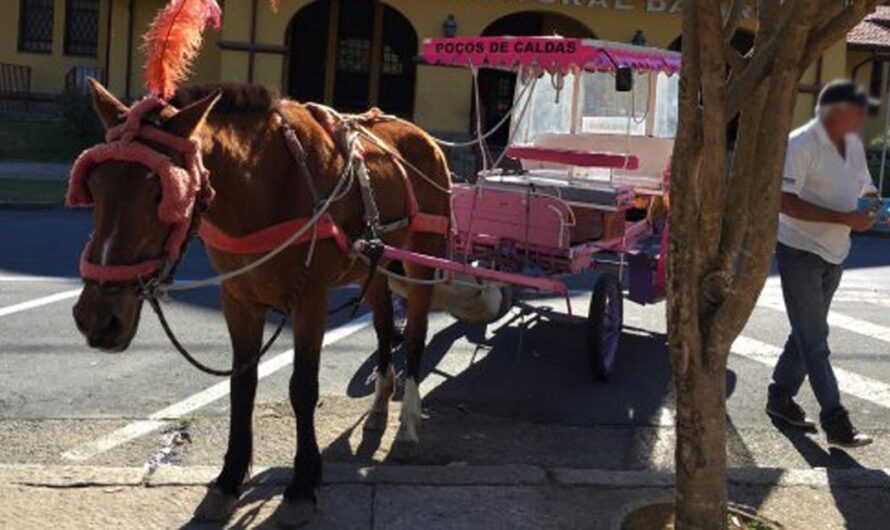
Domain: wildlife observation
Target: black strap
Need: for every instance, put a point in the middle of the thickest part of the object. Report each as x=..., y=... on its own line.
x=156, y=306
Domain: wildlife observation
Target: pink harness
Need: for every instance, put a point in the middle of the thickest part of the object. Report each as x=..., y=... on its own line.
x=181, y=187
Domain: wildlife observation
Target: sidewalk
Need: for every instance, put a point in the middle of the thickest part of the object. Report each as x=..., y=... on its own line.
x=425, y=497
x=30, y=170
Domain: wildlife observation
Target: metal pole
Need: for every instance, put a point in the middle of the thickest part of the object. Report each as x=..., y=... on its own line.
x=884, y=143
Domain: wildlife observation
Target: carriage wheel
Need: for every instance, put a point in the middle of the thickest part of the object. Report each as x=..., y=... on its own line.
x=604, y=321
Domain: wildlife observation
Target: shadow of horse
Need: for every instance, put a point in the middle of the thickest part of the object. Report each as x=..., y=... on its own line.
x=518, y=381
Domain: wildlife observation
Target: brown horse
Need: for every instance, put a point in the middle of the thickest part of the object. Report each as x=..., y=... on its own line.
x=240, y=129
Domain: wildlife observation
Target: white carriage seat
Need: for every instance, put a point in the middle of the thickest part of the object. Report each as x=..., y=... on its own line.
x=653, y=154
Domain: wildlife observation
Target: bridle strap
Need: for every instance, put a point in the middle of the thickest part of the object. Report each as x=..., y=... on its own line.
x=116, y=273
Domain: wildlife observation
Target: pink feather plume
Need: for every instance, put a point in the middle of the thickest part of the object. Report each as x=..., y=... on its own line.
x=173, y=40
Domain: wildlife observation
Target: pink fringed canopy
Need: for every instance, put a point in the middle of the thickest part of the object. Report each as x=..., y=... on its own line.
x=547, y=53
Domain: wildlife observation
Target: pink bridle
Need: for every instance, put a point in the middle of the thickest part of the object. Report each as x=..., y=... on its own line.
x=181, y=187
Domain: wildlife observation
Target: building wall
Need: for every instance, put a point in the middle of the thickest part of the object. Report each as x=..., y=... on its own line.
x=443, y=95
x=617, y=22
x=862, y=75
x=47, y=69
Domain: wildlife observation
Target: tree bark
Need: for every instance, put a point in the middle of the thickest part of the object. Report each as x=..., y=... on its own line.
x=701, y=497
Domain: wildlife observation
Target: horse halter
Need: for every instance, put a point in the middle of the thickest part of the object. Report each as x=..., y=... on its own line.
x=185, y=192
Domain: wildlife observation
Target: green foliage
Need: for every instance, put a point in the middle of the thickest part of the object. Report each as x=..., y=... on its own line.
x=43, y=140
x=77, y=109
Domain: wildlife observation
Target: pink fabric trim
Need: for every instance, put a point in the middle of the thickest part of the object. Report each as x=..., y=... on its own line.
x=268, y=239
x=571, y=157
x=430, y=224
x=547, y=53
x=115, y=273
x=180, y=185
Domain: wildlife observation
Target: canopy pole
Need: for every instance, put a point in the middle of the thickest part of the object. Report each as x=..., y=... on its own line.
x=884, y=142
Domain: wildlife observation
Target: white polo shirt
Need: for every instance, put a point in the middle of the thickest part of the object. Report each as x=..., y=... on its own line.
x=816, y=172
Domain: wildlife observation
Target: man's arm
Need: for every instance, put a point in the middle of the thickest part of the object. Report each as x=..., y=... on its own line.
x=794, y=206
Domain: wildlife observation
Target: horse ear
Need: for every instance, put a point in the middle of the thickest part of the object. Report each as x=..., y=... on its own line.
x=109, y=108
x=185, y=122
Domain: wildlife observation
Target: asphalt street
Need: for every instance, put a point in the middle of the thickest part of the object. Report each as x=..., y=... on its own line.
x=518, y=391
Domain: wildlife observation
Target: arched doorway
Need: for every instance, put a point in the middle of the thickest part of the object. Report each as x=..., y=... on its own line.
x=353, y=55
x=496, y=87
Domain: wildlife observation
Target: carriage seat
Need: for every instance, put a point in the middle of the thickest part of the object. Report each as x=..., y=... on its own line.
x=652, y=155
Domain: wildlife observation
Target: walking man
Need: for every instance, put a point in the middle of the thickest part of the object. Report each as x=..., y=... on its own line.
x=825, y=176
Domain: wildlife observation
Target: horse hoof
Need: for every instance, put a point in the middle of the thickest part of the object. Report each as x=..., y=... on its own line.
x=295, y=513
x=376, y=421
x=216, y=506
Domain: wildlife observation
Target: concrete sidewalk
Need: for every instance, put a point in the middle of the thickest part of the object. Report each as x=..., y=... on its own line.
x=427, y=497
x=30, y=170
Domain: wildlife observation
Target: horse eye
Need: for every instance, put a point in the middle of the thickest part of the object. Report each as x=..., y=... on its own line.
x=150, y=175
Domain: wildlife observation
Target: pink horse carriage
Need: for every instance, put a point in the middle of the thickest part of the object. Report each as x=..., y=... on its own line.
x=592, y=129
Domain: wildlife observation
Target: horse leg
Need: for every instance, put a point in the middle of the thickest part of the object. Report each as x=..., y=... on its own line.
x=245, y=322
x=379, y=298
x=419, y=298
x=309, y=327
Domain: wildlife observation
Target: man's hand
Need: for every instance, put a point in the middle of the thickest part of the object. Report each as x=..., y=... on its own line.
x=861, y=220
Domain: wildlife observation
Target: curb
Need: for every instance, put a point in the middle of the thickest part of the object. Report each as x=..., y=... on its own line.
x=455, y=475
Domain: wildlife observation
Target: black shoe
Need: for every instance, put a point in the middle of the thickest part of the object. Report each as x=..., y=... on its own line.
x=789, y=412
x=840, y=431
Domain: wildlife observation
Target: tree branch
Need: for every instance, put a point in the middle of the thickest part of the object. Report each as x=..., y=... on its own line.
x=774, y=21
x=733, y=19
x=835, y=27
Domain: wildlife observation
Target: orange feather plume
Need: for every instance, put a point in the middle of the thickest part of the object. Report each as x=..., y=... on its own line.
x=173, y=40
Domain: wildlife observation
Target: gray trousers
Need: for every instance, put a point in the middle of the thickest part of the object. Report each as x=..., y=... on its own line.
x=808, y=286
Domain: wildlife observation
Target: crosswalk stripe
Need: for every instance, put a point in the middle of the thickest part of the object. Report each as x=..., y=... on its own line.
x=840, y=320
x=853, y=384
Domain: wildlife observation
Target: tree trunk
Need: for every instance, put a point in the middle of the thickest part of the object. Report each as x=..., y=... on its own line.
x=701, y=493
x=724, y=210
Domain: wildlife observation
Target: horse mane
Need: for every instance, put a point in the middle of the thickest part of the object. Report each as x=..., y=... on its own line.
x=234, y=97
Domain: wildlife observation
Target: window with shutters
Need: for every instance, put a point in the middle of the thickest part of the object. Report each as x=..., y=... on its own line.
x=36, y=26
x=82, y=27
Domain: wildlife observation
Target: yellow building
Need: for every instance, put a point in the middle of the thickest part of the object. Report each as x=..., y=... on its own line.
x=351, y=54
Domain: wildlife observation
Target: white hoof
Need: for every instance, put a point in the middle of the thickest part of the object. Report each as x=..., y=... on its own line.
x=296, y=513
x=216, y=506
x=378, y=416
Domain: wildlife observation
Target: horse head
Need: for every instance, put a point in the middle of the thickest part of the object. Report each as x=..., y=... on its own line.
x=143, y=184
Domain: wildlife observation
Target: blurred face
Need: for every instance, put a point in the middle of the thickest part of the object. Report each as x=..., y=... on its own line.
x=844, y=120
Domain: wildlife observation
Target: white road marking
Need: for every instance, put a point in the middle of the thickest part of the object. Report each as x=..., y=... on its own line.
x=31, y=304
x=39, y=279
x=858, y=386
x=840, y=320
x=203, y=398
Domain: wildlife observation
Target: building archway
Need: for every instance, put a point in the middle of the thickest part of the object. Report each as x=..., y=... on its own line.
x=352, y=55
x=496, y=87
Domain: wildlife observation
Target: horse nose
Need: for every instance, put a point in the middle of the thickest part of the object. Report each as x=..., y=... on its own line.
x=94, y=323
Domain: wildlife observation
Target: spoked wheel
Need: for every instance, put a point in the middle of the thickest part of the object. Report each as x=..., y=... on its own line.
x=604, y=321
